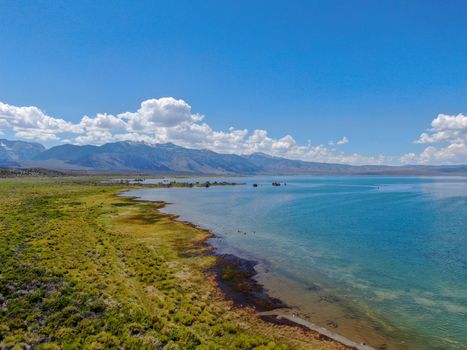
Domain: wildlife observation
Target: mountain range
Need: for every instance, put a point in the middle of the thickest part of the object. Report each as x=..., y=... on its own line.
x=142, y=158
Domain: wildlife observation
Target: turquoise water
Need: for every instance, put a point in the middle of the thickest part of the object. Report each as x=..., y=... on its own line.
x=389, y=249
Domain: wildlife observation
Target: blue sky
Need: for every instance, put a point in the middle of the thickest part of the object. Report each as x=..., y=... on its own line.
x=377, y=72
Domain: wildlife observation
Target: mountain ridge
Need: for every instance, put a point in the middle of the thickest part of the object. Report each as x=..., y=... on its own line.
x=12, y=151
x=168, y=158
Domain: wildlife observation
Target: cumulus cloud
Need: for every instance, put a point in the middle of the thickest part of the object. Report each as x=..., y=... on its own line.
x=446, y=128
x=166, y=120
x=162, y=112
x=32, y=123
x=447, y=139
x=103, y=122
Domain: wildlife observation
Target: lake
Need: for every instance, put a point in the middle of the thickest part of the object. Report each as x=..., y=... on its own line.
x=381, y=260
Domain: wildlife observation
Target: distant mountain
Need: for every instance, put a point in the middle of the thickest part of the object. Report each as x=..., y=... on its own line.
x=163, y=158
x=276, y=165
x=137, y=157
x=13, y=151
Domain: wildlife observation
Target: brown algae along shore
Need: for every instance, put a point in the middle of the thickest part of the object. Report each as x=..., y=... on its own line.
x=83, y=268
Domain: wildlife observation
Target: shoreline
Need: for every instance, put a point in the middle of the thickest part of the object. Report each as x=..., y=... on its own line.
x=91, y=269
x=234, y=277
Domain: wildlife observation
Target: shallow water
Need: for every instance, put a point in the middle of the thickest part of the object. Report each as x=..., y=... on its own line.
x=378, y=259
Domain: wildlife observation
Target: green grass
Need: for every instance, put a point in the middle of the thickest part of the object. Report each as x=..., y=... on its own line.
x=84, y=269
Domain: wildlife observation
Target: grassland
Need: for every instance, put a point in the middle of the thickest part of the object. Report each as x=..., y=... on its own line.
x=82, y=268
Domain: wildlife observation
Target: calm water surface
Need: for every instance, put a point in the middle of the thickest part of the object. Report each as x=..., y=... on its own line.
x=354, y=253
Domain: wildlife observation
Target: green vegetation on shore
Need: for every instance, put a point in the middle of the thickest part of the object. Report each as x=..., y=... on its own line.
x=83, y=268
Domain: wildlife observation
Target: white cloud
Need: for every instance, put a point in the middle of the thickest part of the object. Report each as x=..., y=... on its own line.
x=165, y=120
x=162, y=112
x=448, y=142
x=409, y=158
x=32, y=123
x=451, y=154
x=94, y=137
x=103, y=121
x=446, y=128
x=343, y=141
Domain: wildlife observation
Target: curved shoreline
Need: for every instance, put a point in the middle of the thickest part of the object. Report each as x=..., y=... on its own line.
x=245, y=292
